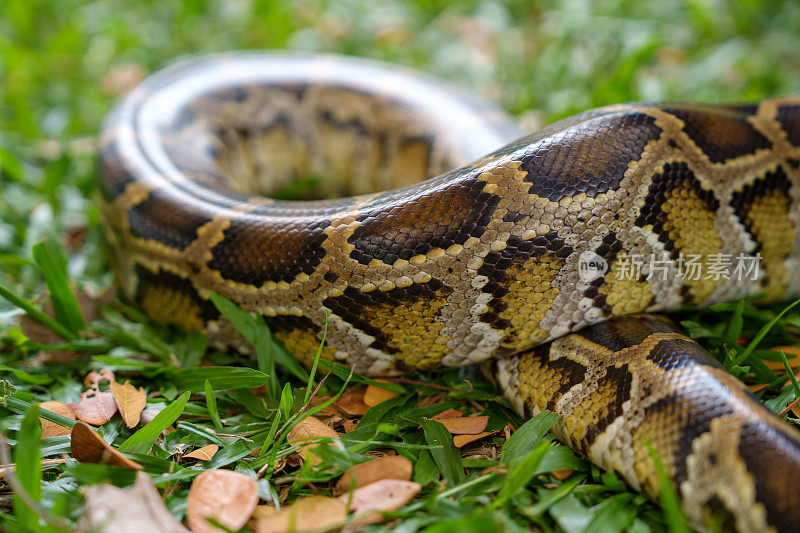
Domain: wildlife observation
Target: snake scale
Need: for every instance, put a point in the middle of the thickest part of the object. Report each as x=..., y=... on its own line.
x=489, y=261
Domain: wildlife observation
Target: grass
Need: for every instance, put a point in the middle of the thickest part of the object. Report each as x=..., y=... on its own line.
x=63, y=64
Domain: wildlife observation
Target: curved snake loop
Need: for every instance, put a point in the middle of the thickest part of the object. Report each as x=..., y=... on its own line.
x=525, y=257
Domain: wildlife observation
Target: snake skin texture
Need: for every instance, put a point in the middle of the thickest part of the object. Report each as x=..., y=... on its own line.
x=532, y=257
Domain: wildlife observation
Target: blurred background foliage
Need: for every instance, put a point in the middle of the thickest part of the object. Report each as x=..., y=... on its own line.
x=63, y=63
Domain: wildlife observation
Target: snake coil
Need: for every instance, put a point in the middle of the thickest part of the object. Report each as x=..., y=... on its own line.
x=525, y=257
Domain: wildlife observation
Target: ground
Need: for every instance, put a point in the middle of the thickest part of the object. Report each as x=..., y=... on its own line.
x=63, y=64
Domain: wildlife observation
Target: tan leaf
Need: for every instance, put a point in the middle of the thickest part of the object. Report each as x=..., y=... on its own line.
x=130, y=401
x=561, y=475
x=306, y=514
x=94, y=378
x=792, y=354
x=449, y=413
x=310, y=428
x=383, y=495
x=51, y=429
x=134, y=509
x=87, y=446
x=349, y=425
x=95, y=407
x=462, y=440
x=375, y=395
x=391, y=467
x=352, y=403
x=465, y=425
x=226, y=496
x=202, y=454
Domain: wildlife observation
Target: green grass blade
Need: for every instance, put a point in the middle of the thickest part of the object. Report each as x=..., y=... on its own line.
x=211, y=405
x=219, y=377
x=528, y=436
x=521, y=474
x=141, y=441
x=28, y=458
x=761, y=334
x=670, y=504
x=35, y=313
x=443, y=451
x=50, y=259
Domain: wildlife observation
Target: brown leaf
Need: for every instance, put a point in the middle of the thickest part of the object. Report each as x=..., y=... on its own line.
x=465, y=425
x=794, y=362
x=202, y=454
x=51, y=429
x=134, y=509
x=391, y=467
x=306, y=514
x=375, y=395
x=449, y=413
x=88, y=446
x=462, y=440
x=95, y=378
x=349, y=426
x=130, y=401
x=383, y=495
x=226, y=496
x=306, y=429
x=352, y=403
x=95, y=407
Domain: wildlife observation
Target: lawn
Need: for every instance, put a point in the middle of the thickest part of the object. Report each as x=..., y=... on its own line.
x=64, y=63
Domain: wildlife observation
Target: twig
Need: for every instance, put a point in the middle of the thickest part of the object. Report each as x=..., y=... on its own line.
x=789, y=407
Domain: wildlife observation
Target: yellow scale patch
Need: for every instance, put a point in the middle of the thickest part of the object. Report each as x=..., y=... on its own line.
x=303, y=344
x=413, y=330
x=768, y=217
x=167, y=305
x=690, y=226
x=624, y=294
x=530, y=296
x=538, y=383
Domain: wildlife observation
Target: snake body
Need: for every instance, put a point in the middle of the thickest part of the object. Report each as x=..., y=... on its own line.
x=525, y=257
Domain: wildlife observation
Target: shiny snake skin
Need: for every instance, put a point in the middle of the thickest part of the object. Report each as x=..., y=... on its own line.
x=480, y=263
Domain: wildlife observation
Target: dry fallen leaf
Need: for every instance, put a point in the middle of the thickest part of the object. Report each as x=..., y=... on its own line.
x=134, y=509
x=95, y=407
x=51, y=429
x=462, y=440
x=794, y=362
x=391, y=467
x=465, y=425
x=352, y=403
x=202, y=454
x=310, y=428
x=306, y=514
x=226, y=496
x=349, y=425
x=375, y=395
x=94, y=378
x=87, y=446
x=383, y=495
x=130, y=401
x=449, y=413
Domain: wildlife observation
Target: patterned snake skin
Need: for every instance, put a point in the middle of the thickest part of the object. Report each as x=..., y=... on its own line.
x=622, y=210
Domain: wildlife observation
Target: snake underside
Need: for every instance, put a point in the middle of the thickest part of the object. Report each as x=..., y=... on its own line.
x=532, y=256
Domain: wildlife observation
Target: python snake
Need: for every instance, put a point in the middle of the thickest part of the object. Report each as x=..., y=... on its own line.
x=525, y=257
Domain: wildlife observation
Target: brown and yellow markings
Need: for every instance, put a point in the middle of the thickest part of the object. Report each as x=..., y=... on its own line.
x=764, y=209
